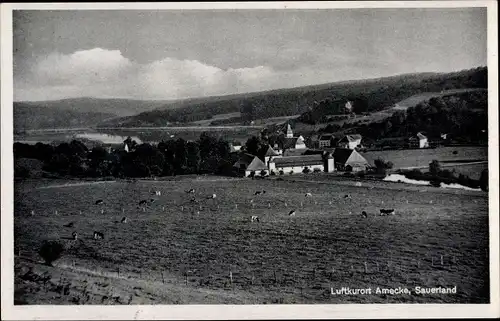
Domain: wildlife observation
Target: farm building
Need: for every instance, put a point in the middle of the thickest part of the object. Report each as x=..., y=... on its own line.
x=234, y=147
x=248, y=163
x=270, y=153
x=418, y=141
x=325, y=140
x=350, y=141
x=297, y=164
x=349, y=160
x=294, y=143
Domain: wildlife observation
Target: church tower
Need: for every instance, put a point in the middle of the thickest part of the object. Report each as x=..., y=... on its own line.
x=289, y=133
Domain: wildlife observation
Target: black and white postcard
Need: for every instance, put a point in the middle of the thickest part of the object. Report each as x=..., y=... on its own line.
x=239, y=160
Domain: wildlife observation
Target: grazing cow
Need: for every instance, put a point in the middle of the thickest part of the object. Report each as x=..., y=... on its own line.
x=99, y=202
x=124, y=220
x=254, y=218
x=358, y=184
x=152, y=200
x=213, y=196
x=291, y=213
x=102, y=211
x=32, y=212
x=309, y=194
x=143, y=202
x=347, y=196
x=191, y=191
x=70, y=224
x=384, y=212
x=98, y=235
x=75, y=235
x=257, y=193
x=364, y=214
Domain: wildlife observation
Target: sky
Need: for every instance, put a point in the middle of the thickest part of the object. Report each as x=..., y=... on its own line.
x=175, y=54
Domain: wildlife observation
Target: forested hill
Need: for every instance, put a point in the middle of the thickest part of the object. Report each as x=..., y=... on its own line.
x=366, y=95
x=28, y=117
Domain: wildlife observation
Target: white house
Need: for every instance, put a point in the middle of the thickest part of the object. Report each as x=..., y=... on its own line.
x=349, y=160
x=297, y=164
x=325, y=140
x=350, y=141
x=234, y=147
x=418, y=141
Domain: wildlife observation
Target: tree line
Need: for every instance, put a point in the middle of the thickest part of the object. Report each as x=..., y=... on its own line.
x=207, y=155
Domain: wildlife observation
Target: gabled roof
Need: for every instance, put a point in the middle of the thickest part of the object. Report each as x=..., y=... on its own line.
x=256, y=165
x=304, y=160
x=348, y=156
x=326, y=137
x=252, y=162
x=341, y=155
x=352, y=137
x=270, y=152
x=420, y=136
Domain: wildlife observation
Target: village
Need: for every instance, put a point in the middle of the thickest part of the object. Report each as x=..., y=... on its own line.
x=291, y=155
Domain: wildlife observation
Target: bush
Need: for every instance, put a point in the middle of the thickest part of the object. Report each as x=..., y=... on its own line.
x=252, y=174
x=361, y=174
x=282, y=172
x=434, y=168
x=263, y=173
x=272, y=173
x=381, y=166
x=306, y=170
x=51, y=251
x=317, y=170
x=291, y=172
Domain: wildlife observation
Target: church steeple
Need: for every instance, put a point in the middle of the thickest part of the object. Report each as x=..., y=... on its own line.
x=289, y=133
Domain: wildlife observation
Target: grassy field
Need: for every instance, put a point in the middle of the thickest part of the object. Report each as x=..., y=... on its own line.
x=280, y=259
x=422, y=157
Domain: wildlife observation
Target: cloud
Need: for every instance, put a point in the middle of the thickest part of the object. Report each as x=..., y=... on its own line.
x=106, y=73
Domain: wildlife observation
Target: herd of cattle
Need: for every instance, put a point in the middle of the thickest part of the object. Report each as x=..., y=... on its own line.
x=142, y=204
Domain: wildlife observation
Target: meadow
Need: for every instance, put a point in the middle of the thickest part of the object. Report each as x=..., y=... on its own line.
x=210, y=252
x=422, y=157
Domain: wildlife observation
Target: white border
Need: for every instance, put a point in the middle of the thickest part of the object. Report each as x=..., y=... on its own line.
x=191, y=312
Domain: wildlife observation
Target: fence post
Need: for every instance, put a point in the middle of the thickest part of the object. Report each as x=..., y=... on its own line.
x=231, y=277
x=275, y=278
x=162, y=277
x=442, y=260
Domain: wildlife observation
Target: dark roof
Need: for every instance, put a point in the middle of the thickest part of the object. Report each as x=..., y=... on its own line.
x=304, y=160
x=326, y=137
x=252, y=162
x=341, y=155
x=294, y=152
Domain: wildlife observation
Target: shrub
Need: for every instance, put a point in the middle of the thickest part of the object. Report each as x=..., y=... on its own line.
x=306, y=170
x=317, y=170
x=381, y=166
x=291, y=172
x=263, y=173
x=252, y=174
x=434, y=168
x=361, y=174
x=282, y=172
x=51, y=251
x=272, y=173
